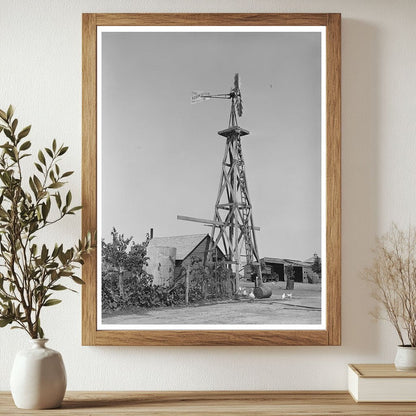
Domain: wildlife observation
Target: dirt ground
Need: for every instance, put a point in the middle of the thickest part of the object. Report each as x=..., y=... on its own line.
x=303, y=308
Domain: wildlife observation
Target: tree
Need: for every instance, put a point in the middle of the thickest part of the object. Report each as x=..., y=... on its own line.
x=124, y=255
x=316, y=266
x=137, y=257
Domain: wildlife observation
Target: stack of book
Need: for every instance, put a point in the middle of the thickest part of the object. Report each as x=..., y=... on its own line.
x=381, y=383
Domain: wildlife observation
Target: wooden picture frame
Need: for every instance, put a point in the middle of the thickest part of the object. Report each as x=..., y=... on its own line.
x=331, y=335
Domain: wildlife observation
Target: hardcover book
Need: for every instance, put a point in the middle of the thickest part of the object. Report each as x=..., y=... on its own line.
x=381, y=383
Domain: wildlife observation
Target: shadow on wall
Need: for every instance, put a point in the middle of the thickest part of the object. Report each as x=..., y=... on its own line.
x=360, y=180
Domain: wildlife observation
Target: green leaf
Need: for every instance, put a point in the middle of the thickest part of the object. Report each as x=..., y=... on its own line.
x=41, y=157
x=58, y=199
x=54, y=276
x=5, y=321
x=40, y=332
x=51, y=302
x=58, y=287
x=37, y=183
x=33, y=187
x=6, y=145
x=8, y=133
x=76, y=208
x=10, y=112
x=45, y=211
x=68, y=198
x=39, y=167
x=56, y=185
x=14, y=125
x=63, y=150
x=3, y=115
x=55, y=251
x=44, y=253
x=54, y=145
x=49, y=152
x=24, y=133
x=76, y=279
x=62, y=257
x=67, y=174
x=25, y=145
x=34, y=249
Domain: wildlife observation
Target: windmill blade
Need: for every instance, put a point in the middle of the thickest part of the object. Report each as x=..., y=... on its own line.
x=237, y=92
x=237, y=82
x=239, y=105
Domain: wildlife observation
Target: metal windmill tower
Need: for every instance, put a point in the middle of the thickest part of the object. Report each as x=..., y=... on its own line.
x=232, y=228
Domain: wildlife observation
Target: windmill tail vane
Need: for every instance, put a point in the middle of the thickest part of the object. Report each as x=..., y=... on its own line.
x=199, y=96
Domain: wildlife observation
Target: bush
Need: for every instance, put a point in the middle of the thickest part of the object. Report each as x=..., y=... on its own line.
x=139, y=291
x=211, y=282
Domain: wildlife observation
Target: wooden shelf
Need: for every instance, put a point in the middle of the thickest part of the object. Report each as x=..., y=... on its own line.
x=318, y=403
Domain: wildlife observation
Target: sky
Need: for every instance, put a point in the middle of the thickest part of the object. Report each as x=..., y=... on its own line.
x=161, y=155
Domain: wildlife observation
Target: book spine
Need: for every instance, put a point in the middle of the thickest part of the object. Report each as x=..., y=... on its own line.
x=353, y=381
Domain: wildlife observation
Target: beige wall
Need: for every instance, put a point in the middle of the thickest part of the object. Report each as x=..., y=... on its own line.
x=40, y=74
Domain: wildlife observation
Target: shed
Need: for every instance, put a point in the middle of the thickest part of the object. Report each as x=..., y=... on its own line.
x=274, y=269
x=187, y=247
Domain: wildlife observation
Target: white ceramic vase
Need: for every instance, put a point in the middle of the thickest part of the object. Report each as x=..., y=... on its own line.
x=38, y=378
x=405, y=358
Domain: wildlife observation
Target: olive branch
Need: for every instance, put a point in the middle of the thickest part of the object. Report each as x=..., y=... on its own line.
x=30, y=273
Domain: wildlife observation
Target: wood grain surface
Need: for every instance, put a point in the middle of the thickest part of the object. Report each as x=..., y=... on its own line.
x=212, y=19
x=380, y=371
x=89, y=173
x=333, y=179
x=212, y=403
x=332, y=334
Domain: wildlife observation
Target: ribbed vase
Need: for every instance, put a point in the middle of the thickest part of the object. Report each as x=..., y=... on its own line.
x=405, y=358
x=38, y=377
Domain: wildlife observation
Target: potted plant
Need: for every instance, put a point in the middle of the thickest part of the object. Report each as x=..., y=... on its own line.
x=31, y=273
x=393, y=277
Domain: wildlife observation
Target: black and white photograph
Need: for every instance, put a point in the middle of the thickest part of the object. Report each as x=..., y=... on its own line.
x=211, y=178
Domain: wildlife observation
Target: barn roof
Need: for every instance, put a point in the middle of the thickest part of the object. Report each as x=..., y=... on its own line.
x=272, y=260
x=285, y=261
x=184, y=244
x=311, y=259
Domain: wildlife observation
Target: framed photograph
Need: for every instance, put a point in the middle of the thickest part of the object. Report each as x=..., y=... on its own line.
x=211, y=173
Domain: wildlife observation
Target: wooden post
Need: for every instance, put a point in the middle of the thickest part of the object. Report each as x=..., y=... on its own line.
x=121, y=283
x=187, y=284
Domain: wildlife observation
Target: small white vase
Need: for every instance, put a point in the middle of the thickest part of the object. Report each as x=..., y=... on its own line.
x=38, y=378
x=405, y=358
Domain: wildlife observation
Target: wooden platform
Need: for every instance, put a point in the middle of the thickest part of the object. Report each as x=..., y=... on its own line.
x=268, y=403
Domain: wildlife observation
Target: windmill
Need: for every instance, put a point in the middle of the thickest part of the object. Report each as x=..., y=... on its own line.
x=232, y=228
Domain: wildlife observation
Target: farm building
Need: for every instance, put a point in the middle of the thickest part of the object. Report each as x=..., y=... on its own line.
x=167, y=255
x=274, y=269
